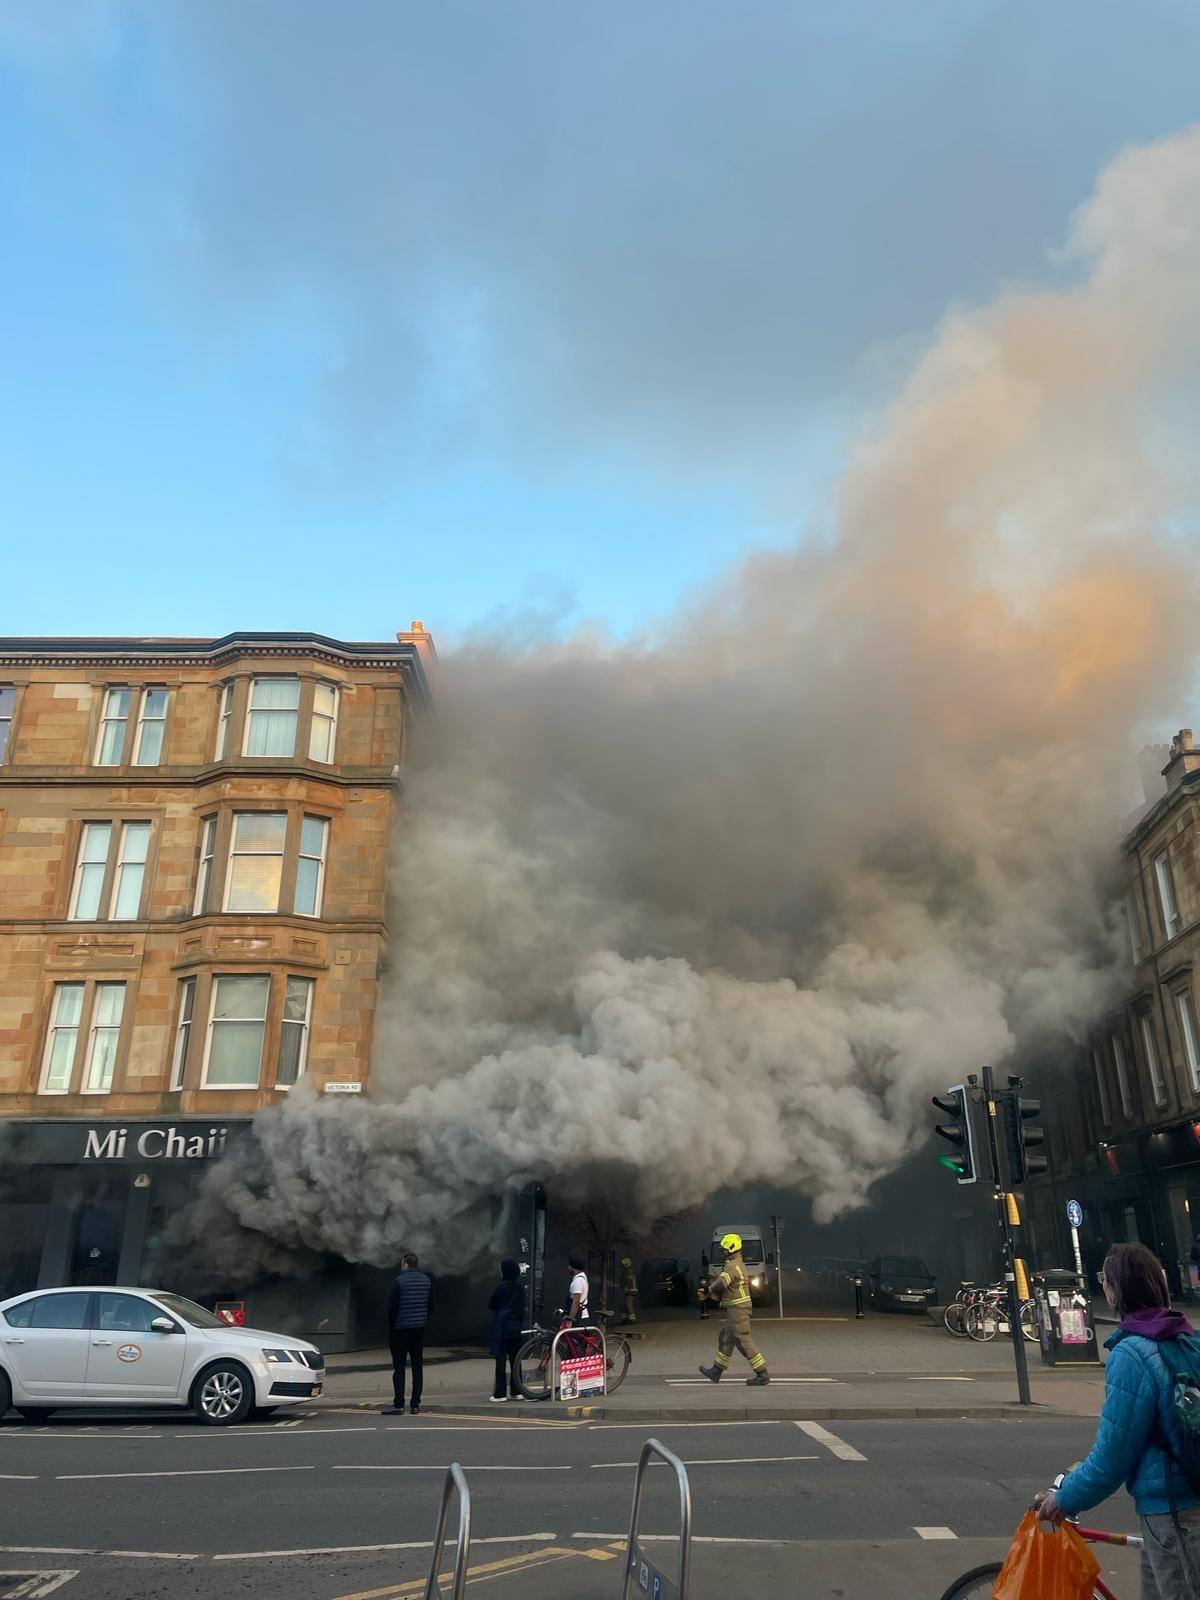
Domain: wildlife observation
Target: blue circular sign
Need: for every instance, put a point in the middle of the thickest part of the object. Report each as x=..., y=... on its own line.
x=1074, y=1213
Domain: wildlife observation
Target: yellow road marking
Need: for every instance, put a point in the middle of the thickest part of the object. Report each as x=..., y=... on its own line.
x=546, y=1556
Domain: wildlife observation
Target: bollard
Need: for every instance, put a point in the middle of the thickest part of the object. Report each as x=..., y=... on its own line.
x=859, y=1313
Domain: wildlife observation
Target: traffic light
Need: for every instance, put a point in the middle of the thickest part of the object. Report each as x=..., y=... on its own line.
x=958, y=1131
x=1019, y=1140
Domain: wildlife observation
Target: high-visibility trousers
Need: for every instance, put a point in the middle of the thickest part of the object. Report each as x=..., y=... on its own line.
x=736, y=1335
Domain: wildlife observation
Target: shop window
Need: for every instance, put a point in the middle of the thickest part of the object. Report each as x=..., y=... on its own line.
x=293, y=1032
x=236, y=1031
x=272, y=717
x=8, y=706
x=110, y=872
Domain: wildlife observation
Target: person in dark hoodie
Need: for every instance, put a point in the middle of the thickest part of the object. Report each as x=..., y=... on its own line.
x=507, y=1306
x=1139, y=1441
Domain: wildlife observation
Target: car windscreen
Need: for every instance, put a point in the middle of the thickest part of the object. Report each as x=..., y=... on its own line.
x=752, y=1252
x=904, y=1266
x=188, y=1311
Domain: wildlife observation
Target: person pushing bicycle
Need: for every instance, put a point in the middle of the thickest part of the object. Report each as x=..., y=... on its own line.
x=732, y=1288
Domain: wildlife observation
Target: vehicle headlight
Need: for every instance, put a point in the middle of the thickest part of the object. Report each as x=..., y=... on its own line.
x=280, y=1356
x=756, y=1283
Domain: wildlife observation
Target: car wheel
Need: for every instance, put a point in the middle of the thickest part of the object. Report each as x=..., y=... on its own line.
x=223, y=1394
x=36, y=1413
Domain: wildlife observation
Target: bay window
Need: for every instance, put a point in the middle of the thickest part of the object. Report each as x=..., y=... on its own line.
x=255, y=871
x=310, y=866
x=8, y=705
x=322, y=737
x=183, y=1031
x=272, y=717
x=293, y=1032
x=208, y=843
x=236, y=1031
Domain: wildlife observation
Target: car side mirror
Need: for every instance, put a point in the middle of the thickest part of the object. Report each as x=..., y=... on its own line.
x=163, y=1325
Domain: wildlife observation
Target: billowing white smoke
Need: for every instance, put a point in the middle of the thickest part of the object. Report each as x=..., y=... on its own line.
x=725, y=907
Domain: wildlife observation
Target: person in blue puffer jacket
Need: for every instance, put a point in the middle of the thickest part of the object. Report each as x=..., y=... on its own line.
x=1138, y=1440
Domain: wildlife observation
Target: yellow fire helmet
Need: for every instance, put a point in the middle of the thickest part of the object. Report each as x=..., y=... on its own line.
x=626, y=1262
x=731, y=1243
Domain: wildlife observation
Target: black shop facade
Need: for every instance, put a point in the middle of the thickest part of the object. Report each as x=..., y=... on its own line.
x=85, y=1202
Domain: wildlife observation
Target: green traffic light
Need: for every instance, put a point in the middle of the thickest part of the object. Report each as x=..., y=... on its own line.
x=954, y=1163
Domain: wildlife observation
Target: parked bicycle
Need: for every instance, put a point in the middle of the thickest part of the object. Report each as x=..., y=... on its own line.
x=980, y=1581
x=533, y=1358
x=980, y=1312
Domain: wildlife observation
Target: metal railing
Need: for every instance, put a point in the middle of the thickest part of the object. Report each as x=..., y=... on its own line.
x=556, y=1364
x=641, y=1575
x=454, y=1479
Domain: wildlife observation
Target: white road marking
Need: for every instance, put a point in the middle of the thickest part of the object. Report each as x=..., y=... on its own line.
x=715, y=1461
x=941, y=1380
x=38, y=1584
x=673, y=1538
x=935, y=1533
x=686, y=1383
x=251, y=1433
x=44, y=1550
x=837, y=1447
x=151, y=1555
x=372, y=1549
x=59, y=1433
x=19, y=1477
x=197, y=1472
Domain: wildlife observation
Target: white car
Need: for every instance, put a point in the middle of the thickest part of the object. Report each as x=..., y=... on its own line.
x=142, y=1347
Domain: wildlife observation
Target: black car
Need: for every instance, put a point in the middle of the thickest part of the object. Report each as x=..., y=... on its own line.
x=900, y=1283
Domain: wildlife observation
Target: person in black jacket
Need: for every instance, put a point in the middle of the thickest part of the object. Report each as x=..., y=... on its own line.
x=409, y=1304
x=507, y=1306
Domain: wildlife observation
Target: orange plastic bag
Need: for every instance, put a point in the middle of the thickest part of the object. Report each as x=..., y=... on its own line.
x=1045, y=1563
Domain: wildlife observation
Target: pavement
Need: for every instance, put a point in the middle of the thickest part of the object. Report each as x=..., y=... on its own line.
x=823, y=1362
x=321, y=1507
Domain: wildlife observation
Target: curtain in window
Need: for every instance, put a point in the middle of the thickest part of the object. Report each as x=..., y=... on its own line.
x=238, y=1024
x=274, y=708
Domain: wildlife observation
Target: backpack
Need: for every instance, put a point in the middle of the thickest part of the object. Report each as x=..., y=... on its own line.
x=1182, y=1361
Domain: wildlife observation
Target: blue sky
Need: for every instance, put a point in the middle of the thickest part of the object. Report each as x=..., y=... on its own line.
x=336, y=316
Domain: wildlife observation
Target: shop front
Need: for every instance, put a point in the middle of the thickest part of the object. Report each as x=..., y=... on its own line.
x=87, y=1202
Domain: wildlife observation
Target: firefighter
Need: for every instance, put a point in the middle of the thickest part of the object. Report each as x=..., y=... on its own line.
x=629, y=1289
x=732, y=1288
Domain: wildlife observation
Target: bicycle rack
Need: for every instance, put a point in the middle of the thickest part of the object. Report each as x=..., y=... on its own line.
x=455, y=1479
x=641, y=1575
x=555, y=1364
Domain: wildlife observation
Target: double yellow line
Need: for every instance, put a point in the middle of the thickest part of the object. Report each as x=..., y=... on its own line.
x=544, y=1556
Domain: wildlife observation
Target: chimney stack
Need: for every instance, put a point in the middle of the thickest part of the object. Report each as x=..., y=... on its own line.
x=1182, y=760
x=422, y=643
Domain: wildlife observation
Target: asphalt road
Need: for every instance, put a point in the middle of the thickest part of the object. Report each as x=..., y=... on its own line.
x=335, y=1506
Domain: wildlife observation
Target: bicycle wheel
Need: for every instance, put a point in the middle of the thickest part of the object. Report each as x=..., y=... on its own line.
x=953, y=1316
x=533, y=1367
x=617, y=1363
x=1029, y=1324
x=982, y=1321
x=976, y=1584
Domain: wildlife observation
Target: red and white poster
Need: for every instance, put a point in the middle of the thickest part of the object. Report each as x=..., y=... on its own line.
x=581, y=1375
x=232, y=1311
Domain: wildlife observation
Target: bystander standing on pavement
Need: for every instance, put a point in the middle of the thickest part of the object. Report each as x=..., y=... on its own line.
x=409, y=1305
x=629, y=1289
x=575, y=1306
x=1140, y=1441
x=733, y=1288
x=507, y=1306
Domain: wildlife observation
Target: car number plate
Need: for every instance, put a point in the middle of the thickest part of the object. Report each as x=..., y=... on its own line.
x=314, y=1391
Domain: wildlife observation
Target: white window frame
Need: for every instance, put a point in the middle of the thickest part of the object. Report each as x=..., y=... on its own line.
x=208, y=846
x=303, y=855
x=105, y=719
x=121, y=867
x=7, y=718
x=327, y=720
x=183, y=1031
x=1185, y=1010
x=1133, y=930
x=53, y=1028
x=1167, y=904
x=1124, y=1088
x=263, y=1021
x=80, y=863
x=95, y=1028
x=1158, y=1084
x=234, y=854
x=304, y=1026
x=1101, y=1088
x=143, y=721
x=224, y=716
x=272, y=711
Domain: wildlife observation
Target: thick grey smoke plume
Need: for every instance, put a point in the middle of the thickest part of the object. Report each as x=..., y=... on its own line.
x=725, y=907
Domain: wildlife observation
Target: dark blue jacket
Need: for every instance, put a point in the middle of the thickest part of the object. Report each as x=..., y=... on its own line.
x=411, y=1299
x=507, y=1306
x=1136, y=1425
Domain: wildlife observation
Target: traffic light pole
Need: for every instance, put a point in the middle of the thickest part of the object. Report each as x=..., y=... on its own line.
x=992, y=1109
